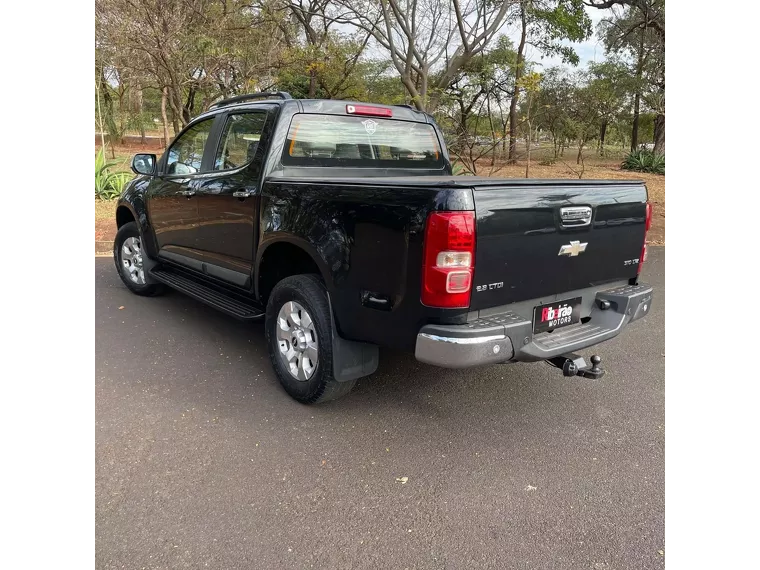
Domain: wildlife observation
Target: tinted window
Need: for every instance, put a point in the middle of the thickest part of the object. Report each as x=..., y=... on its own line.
x=240, y=140
x=186, y=154
x=330, y=140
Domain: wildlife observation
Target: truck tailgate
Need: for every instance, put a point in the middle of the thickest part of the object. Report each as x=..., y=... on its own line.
x=533, y=240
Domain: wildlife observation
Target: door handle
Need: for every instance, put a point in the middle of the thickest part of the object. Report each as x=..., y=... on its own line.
x=186, y=193
x=242, y=193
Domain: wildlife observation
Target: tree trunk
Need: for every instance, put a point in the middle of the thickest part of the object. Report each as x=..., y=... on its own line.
x=527, y=158
x=659, y=134
x=107, y=99
x=312, y=83
x=637, y=97
x=164, y=118
x=602, y=134
x=635, y=129
x=493, y=132
x=516, y=95
x=580, y=152
x=174, y=98
x=187, y=108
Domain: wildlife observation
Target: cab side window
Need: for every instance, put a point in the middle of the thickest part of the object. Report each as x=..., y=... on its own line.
x=240, y=139
x=186, y=154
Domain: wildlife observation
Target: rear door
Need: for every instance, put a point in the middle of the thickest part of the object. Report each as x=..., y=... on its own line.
x=543, y=238
x=228, y=197
x=171, y=198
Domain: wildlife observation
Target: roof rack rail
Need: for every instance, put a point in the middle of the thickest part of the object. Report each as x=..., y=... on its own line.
x=250, y=96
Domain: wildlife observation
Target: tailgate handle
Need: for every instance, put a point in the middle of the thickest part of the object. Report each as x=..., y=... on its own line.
x=575, y=216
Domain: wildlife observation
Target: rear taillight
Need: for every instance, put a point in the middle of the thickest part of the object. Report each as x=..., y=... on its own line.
x=647, y=225
x=448, y=259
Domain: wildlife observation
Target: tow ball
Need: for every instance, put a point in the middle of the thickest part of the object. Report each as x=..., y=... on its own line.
x=573, y=364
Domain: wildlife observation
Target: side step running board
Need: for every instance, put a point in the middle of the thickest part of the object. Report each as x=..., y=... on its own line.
x=229, y=303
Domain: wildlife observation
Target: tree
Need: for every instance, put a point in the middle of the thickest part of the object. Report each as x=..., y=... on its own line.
x=470, y=104
x=531, y=85
x=637, y=27
x=552, y=100
x=194, y=51
x=611, y=86
x=327, y=58
x=427, y=42
x=543, y=25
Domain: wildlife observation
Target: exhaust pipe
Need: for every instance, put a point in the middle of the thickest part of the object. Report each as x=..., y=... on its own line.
x=573, y=365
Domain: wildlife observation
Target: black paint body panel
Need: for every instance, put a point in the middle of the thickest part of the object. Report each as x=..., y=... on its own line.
x=519, y=237
x=367, y=241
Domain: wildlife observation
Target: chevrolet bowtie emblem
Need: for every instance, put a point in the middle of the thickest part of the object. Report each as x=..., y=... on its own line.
x=572, y=249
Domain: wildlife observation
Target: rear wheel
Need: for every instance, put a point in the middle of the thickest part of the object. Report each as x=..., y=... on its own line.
x=299, y=340
x=128, y=255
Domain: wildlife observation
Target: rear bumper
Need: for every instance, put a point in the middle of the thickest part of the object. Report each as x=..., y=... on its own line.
x=508, y=337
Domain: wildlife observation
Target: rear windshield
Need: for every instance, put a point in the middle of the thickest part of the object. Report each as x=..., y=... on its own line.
x=333, y=140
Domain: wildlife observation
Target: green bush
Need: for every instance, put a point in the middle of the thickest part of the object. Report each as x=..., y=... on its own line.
x=108, y=185
x=644, y=161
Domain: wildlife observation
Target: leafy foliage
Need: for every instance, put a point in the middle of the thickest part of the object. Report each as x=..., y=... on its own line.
x=644, y=161
x=551, y=22
x=108, y=184
x=119, y=181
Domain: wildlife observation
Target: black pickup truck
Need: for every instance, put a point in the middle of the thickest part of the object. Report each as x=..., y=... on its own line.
x=341, y=225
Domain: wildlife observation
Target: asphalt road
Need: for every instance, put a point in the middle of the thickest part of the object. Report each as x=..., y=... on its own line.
x=202, y=461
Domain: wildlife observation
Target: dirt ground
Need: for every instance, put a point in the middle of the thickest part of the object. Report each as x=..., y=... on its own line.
x=595, y=168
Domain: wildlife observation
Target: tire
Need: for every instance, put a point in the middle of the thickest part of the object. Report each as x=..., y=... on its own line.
x=128, y=257
x=300, y=301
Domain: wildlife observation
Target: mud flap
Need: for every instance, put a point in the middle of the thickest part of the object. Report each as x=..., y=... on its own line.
x=351, y=359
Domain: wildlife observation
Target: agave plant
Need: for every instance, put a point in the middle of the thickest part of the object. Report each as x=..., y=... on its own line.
x=108, y=185
x=102, y=174
x=119, y=181
x=644, y=161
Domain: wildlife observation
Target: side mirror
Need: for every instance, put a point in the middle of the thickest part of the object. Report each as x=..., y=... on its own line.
x=144, y=163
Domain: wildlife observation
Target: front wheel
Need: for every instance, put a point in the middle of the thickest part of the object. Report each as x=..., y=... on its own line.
x=299, y=340
x=128, y=255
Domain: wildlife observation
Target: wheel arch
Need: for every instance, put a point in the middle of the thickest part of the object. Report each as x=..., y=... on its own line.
x=131, y=208
x=282, y=256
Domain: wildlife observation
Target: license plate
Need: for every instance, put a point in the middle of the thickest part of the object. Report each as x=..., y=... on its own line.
x=555, y=315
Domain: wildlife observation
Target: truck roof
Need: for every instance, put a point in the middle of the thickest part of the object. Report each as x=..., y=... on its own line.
x=318, y=106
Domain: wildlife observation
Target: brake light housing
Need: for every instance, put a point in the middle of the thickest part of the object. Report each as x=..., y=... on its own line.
x=647, y=225
x=369, y=110
x=448, y=259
